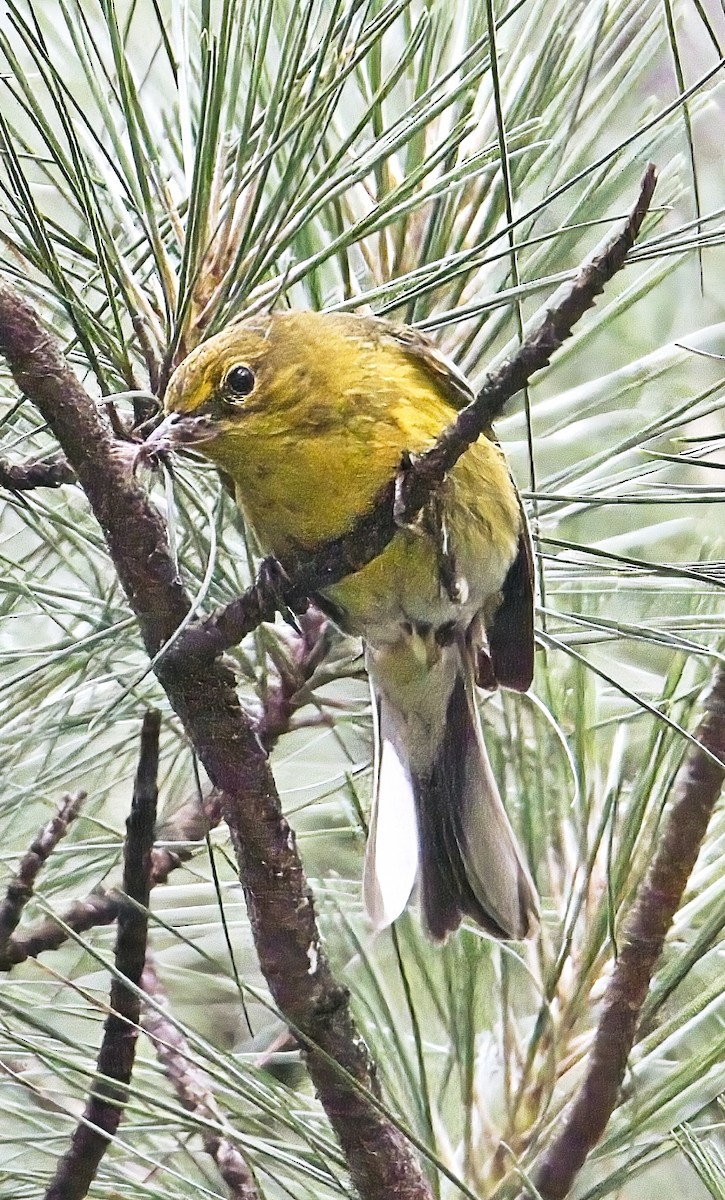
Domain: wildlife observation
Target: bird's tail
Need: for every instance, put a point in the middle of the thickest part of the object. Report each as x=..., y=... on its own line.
x=437, y=813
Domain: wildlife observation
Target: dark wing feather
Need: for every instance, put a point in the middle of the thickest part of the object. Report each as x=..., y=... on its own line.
x=511, y=633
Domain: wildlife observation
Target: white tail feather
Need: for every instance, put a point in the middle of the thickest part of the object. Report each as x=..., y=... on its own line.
x=391, y=856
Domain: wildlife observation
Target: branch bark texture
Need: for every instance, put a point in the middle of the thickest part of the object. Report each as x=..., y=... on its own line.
x=203, y=694
x=190, y=823
x=697, y=789
x=77, y=1168
x=194, y=1088
x=39, y=473
x=20, y=889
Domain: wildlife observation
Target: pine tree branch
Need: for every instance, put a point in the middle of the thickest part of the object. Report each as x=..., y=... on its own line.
x=78, y=1167
x=193, y=1088
x=697, y=789
x=190, y=823
x=280, y=904
x=20, y=888
x=39, y=473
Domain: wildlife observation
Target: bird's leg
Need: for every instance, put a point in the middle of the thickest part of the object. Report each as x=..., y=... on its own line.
x=436, y=526
x=431, y=521
x=271, y=583
x=480, y=655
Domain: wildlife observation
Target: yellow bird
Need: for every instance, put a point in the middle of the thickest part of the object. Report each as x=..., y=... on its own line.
x=309, y=414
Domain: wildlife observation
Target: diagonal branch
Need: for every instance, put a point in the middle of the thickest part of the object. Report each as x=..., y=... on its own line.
x=38, y=473
x=193, y=1089
x=20, y=888
x=190, y=823
x=698, y=786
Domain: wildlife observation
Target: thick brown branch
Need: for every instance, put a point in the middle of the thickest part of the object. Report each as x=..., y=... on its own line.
x=203, y=694
x=40, y=473
x=697, y=789
x=402, y=499
x=77, y=1169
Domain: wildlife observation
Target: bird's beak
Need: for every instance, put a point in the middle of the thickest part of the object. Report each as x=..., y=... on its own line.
x=178, y=430
x=174, y=431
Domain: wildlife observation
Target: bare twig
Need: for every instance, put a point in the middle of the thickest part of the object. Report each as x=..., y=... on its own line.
x=99, y=908
x=400, y=501
x=294, y=667
x=40, y=473
x=193, y=1089
x=697, y=788
x=190, y=823
x=20, y=889
x=77, y=1169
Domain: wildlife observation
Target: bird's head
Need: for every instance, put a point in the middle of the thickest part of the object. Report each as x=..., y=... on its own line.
x=265, y=377
x=216, y=388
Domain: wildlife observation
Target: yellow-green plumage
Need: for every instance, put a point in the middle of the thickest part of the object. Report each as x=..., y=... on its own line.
x=335, y=401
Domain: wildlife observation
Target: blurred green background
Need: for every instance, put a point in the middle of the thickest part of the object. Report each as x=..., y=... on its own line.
x=164, y=169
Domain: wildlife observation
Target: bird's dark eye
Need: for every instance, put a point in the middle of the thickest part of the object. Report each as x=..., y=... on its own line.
x=239, y=382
